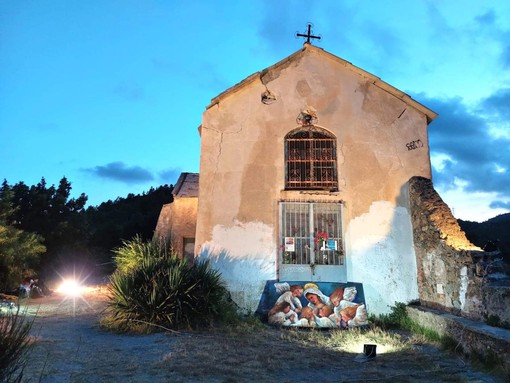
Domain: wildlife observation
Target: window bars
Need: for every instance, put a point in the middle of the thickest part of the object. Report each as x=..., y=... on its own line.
x=311, y=233
x=310, y=157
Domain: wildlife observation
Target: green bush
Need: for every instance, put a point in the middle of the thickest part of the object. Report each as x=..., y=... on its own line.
x=132, y=253
x=154, y=288
x=14, y=343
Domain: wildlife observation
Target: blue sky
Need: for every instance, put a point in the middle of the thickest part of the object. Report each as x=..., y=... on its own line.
x=110, y=93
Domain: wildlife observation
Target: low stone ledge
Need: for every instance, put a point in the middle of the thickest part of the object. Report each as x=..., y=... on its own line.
x=473, y=336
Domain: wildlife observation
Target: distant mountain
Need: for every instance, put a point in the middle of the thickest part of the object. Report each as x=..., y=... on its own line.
x=502, y=218
x=496, y=230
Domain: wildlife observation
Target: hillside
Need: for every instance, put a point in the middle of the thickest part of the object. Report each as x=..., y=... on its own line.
x=496, y=229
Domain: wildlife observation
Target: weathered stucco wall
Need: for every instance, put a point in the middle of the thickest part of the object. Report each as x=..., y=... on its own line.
x=381, y=255
x=381, y=142
x=244, y=253
x=446, y=271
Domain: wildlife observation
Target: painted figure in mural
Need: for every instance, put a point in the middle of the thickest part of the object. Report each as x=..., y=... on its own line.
x=343, y=307
x=314, y=296
x=282, y=315
x=307, y=318
x=325, y=316
x=292, y=296
x=336, y=296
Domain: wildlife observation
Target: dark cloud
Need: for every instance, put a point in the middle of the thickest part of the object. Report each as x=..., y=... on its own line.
x=169, y=175
x=118, y=171
x=505, y=55
x=475, y=155
x=499, y=104
x=281, y=21
x=487, y=18
x=492, y=32
x=499, y=205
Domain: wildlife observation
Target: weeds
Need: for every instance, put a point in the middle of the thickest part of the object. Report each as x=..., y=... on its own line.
x=14, y=343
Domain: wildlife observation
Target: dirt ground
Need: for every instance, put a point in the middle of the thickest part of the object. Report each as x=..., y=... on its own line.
x=69, y=346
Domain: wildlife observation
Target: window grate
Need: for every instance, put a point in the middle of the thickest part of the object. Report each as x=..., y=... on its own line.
x=310, y=161
x=301, y=224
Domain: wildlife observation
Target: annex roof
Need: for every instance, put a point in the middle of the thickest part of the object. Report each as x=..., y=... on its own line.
x=186, y=186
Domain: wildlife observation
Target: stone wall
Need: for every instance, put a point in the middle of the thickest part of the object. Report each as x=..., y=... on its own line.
x=472, y=336
x=496, y=299
x=447, y=276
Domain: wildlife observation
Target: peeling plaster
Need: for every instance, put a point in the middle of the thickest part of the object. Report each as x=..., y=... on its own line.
x=381, y=255
x=463, y=287
x=246, y=259
x=245, y=239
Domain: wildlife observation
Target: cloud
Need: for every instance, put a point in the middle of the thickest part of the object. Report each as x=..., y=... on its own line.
x=500, y=204
x=498, y=104
x=129, y=91
x=170, y=175
x=464, y=147
x=118, y=171
x=487, y=18
x=280, y=21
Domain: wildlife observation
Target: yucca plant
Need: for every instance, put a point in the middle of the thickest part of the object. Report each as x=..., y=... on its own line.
x=162, y=290
x=133, y=252
x=14, y=344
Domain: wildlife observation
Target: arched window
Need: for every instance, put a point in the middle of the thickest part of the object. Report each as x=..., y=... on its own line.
x=310, y=159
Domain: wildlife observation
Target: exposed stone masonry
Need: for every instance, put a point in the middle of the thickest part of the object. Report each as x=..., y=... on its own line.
x=446, y=271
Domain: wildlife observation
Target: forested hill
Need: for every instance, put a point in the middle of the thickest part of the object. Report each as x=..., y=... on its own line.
x=44, y=230
x=113, y=221
x=496, y=229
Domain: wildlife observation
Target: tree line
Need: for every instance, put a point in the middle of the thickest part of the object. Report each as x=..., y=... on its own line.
x=45, y=232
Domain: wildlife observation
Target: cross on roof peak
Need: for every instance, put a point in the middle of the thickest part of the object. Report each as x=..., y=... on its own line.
x=308, y=34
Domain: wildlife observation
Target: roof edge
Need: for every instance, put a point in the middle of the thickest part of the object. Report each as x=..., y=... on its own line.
x=430, y=114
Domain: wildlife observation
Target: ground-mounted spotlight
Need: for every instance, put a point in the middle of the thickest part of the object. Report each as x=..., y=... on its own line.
x=369, y=353
x=370, y=350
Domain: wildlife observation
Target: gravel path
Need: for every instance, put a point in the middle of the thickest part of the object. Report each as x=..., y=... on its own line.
x=69, y=346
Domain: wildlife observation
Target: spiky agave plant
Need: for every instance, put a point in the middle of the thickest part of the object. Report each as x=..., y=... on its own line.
x=164, y=290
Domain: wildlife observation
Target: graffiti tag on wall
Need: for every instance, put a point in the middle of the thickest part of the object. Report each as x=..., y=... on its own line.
x=414, y=145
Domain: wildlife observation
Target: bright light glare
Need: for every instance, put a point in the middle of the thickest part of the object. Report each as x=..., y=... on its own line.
x=70, y=287
x=356, y=347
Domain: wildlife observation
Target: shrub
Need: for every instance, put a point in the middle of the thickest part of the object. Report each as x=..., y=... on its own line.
x=14, y=343
x=158, y=289
x=132, y=253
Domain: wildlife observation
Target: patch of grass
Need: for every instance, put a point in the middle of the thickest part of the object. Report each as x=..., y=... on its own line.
x=14, y=345
x=486, y=361
x=399, y=319
x=495, y=320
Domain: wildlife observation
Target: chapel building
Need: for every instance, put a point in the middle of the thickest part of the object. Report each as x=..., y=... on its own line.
x=304, y=176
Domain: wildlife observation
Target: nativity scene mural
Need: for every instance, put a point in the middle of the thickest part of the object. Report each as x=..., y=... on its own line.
x=319, y=305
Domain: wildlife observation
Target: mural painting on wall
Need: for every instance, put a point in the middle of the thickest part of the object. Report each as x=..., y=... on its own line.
x=306, y=305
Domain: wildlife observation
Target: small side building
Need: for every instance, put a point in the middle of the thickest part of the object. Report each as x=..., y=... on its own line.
x=177, y=220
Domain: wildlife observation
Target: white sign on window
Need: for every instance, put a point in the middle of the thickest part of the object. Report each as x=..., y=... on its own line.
x=289, y=244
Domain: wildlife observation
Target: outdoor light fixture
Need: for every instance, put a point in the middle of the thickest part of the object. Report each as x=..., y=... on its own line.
x=369, y=350
x=70, y=287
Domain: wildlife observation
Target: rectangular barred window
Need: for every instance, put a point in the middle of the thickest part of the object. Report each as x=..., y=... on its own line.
x=311, y=232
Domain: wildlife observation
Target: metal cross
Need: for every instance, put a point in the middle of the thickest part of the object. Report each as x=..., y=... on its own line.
x=308, y=35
